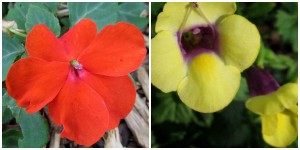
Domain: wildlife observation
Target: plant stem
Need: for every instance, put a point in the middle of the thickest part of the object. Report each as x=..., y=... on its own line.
x=17, y=32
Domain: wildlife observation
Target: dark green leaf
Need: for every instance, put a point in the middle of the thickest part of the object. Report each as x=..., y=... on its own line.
x=37, y=15
x=132, y=12
x=10, y=138
x=170, y=108
x=102, y=13
x=18, y=11
x=243, y=92
x=279, y=61
x=156, y=8
x=287, y=25
x=11, y=48
x=260, y=9
x=6, y=113
x=34, y=127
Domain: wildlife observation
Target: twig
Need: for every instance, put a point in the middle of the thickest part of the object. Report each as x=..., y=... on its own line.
x=63, y=12
x=112, y=139
x=137, y=124
x=142, y=107
x=144, y=80
x=55, y=140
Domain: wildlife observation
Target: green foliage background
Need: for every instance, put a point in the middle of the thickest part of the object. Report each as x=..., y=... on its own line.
x=175, y=125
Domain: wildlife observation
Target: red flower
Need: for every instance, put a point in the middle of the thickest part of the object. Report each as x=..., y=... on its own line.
x=82, y=77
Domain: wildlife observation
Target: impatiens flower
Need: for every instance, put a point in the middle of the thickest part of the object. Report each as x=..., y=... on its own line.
x=276, y=105
x=82, y=77
x=200, y=50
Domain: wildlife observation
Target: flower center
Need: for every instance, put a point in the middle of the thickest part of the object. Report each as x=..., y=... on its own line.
x=198, y=40
x=76, y=65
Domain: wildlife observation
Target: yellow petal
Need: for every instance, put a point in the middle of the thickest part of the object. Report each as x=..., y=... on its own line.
x=210, y=85
x=167, y=64
x=288, y=94
x=286, y=131
x=294, y=110
x=285, y=97
x=174, y=14
x=265, y=105
x=269, y=124
x=239, y=41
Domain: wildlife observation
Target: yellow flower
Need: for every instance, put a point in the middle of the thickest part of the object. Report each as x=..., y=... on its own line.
x=200, y=50
x=279, y=114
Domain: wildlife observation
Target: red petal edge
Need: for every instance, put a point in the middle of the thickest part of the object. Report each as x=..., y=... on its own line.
x=116, y=51
x=34, y=82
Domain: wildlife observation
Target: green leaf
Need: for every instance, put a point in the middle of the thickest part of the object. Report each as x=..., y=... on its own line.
x=278, y=62
x=243, y=92
x=156, y=8
x=6, y=113
x=260, y=9
x=287, y=25
x=11, y=48
x=35, y=129
x=37, y=15
x=132, y=12
x=10, y=138
x=102, y=13
x=18, y=11
x=170, y=108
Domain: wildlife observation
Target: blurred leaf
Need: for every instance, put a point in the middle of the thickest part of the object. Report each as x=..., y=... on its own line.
x=243, y=92
x=260, y=9
x=131, y=12
x=37, y=15
x=156, y=8
x=277, y=62
x=34, y=127
x=65, y=24
x=290, y=7
x=11, y=48
x=10, y=138
x=18, y=11
x=287, y=25
x=4, y=8
x=170, y=108
x=102, y=13
x=6, y=113
x=228, y=128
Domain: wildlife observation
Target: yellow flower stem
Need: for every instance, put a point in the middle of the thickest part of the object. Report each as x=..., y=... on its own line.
x=198, y=9
x=185, y=19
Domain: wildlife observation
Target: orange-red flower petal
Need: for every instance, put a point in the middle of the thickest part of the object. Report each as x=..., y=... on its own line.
x=42, y=43
x=35, y=82
x=79, y=37
x=117, y=92
x=81, y=111
x=120, y=48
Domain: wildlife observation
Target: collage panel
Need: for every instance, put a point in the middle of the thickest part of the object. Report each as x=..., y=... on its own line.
x=224, y=74
x=75, y=75
x=149, y=74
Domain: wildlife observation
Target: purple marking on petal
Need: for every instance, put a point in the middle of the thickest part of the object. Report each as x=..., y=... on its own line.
x=260, y=82
x=197, y=40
